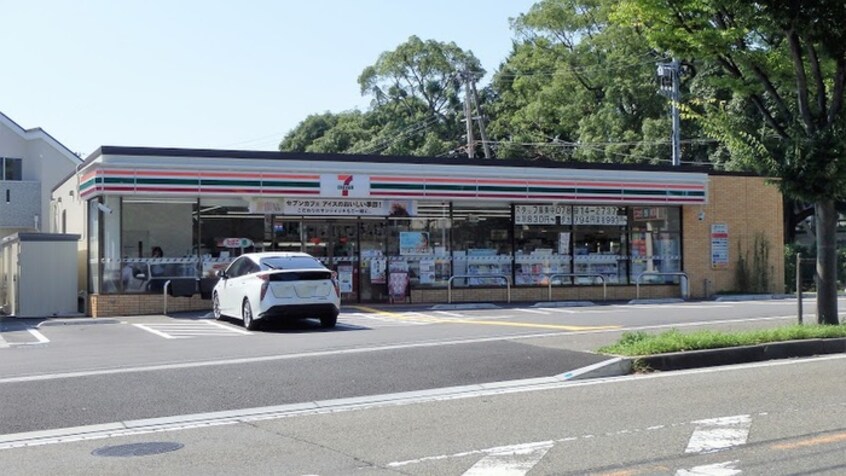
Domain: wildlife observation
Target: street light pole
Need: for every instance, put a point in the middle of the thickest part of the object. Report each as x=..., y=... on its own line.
x=669, y=77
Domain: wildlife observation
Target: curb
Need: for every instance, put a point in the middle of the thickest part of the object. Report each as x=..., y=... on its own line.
x=754, y=297
x=615, y=367
x=741, y=355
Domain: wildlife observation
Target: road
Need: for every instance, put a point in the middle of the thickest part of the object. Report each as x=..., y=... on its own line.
x=401, y=392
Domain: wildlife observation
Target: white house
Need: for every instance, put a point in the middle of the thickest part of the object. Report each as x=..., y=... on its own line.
x=32, y=162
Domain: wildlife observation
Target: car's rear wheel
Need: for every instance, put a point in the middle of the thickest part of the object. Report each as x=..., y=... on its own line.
x=216, y=307
x=247, y=316
x=328, y=322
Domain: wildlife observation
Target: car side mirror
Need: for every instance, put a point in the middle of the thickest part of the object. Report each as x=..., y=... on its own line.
x=221, y=273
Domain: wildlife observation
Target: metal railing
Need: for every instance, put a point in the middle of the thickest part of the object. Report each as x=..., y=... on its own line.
x=179, y=290
x=684, y=283
x=479, y=276
x=164, y=291
x=579, y=275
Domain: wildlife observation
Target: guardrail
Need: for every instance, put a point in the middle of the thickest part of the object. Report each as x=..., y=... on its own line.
x=579, y=275
x=685, y=283
x=479, y=276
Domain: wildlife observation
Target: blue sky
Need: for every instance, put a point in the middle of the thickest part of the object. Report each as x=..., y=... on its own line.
x=213, y=74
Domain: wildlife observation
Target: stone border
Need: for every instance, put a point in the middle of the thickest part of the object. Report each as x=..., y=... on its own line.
x=741, y=355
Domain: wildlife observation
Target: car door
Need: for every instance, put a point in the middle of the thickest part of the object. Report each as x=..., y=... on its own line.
x=229, y=295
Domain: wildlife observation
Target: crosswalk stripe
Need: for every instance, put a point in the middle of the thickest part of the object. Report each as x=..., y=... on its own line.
x=717, y=434
x=719, y=469
x=514, y=460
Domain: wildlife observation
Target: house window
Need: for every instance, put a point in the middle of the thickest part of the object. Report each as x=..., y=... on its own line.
x=12, y=169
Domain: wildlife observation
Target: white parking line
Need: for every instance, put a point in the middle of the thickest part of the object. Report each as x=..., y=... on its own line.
x=534, y=311
x=39, y=336
x=182, y=330
x=448, y=314
x=3, y=343
x=153, y=331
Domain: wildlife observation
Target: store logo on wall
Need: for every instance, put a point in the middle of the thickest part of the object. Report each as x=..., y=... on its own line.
x=345, y=185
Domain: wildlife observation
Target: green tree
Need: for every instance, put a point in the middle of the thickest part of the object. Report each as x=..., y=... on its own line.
x=420, y=71
x=578, y=87
x=786, y=60
x=416, y=106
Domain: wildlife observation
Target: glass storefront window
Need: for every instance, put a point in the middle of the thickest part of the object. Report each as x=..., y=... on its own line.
x=542, y=244
x=481, y=237
x=228, y=229
x=599, y=243
x=150, y=241
x=420, y=249
x=655, y=243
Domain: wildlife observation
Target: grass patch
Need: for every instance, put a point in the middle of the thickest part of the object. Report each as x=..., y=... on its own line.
x=640, y=343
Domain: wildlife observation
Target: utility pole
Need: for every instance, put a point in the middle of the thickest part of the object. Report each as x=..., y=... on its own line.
x=468, y=117
x=668, y=75
x=481, y=117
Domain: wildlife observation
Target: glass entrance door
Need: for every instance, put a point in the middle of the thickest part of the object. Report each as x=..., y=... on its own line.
x=374, y=264
x=335, y=243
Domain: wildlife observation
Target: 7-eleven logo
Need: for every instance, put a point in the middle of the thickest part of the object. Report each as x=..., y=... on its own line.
x=346, y=185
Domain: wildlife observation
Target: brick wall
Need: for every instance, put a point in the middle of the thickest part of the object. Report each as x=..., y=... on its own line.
x=748, y=205
x=108, y=305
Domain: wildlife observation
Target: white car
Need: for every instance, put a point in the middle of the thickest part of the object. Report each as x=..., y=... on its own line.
x=263, y=286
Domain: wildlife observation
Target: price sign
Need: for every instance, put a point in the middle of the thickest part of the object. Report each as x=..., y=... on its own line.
x=534, y=214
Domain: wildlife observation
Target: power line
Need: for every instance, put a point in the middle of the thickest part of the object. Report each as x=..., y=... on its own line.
x=583, y=69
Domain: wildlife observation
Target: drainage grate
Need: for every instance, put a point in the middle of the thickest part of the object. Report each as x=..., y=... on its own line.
x=138, y=449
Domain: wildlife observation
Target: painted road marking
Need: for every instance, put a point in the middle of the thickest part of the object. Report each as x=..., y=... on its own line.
x=361, y=319
x=819, y=440
x=717, y=434
x=417, y=345
x=448, y=314
x=185, y=330
x=535, y=311
x=514, y=460
x=719, y=469
x=204, y=420
x=39, y=339
x=495, y=323
x=39, y=336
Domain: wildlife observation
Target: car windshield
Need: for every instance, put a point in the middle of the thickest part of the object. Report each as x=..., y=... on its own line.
x=292, y=262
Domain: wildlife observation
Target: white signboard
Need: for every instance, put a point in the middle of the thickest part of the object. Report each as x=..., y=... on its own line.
x=267, y=206
x=348, y=207
x=585, y=215
x=236, y=243
x=345, y=278
x=719, y=246
x=541, y=214
x=564, y=243
x=534, y=214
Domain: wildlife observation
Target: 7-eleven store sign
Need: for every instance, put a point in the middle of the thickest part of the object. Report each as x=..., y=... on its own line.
x=345, y=185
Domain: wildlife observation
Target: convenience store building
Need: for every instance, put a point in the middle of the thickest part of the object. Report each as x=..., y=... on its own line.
x=405, y=229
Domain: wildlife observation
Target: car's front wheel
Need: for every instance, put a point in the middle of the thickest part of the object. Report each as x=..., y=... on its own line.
x=247, y=316
x=328, y=322
x=216, y=307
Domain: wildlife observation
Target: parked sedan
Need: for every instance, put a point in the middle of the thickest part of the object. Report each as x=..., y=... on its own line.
x=262, y=286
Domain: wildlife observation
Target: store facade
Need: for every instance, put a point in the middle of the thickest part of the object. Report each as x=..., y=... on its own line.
x=406, y=229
